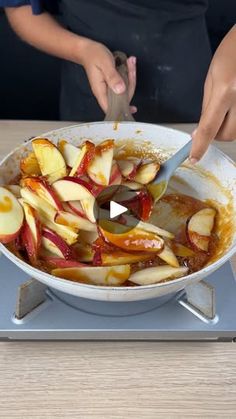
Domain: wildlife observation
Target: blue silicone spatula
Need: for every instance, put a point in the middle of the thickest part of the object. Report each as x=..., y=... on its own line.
x=158, y=187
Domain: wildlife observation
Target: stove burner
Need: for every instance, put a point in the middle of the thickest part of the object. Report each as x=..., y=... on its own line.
x=111, y=309
x=59, y=316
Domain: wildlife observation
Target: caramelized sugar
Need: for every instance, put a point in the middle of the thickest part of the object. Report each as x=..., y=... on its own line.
x=6, y=204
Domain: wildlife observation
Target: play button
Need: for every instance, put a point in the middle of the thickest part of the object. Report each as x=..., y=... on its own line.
x=116, y=209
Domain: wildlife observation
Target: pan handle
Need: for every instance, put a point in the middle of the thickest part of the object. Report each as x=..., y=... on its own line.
x=118, y=105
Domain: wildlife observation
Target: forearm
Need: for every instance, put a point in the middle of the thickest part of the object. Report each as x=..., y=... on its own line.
x=45, y=33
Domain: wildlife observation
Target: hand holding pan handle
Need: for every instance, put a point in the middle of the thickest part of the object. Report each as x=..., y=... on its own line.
x=118, y=105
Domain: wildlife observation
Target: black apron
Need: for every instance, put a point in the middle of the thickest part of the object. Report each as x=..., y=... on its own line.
x=170, y=40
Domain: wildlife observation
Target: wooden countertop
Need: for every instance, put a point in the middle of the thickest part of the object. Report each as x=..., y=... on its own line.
x=113, y=379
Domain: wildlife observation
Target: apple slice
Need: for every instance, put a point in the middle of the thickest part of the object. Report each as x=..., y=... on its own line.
x=182, y=251
x=57, y=262
x=87, y=153
x=74, y=221
x=50, y=160
x=29, y=243
x=70, y=152
x=97, y=275
x=115, y=177
x=99, y=170
x=43, y=190
x=72, y=189
x=97, y=189
x=140, y=203
x=75, y=207
x=83, y=208
x=146, y=205
x=128, y=168
x=15, y=189
x=121, y=258
x=133, y=240
x=11, y=216
x=157, y=274
x=29, y=165
x=83, y=251
x=147, y=172
x=88, y=208
x=47, y=214
x=69, y=235
x=199, y=228
x=88, y=236
x=38, y=203
x=168, y=256
x=134, y=186
x=154, y=229
x=31, y=234
x=52, y=242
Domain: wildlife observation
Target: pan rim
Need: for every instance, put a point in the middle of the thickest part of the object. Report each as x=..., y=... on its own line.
x=48, y=277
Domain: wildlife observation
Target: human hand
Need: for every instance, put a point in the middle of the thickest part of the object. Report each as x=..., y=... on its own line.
x=99, y=65
x=218, y=118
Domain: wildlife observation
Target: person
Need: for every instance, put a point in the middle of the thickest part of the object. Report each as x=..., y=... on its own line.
x=168, y=39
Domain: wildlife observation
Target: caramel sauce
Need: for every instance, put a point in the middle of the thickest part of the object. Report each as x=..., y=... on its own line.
x=61, y=145
x=79, y=275
x=44, y=141
x=6, y=205
x=135, y=240
x=32, y=183
x=184, y=205
x=29, y=165
x=62, y=221
x=104, y=146
x=115, y=126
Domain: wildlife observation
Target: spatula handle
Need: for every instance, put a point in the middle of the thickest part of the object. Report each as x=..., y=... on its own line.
x=118, y=105
x=178, y=158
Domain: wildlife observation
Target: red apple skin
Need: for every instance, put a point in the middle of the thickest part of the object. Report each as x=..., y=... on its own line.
x=35, y=183
x=29, y=243
x=146, y=205
x=97, y=258
x=59, y=242
x=56, y=262
x=18, y=243
x=75, y=210
x=141, y=205
x=38, y=227
x=97, y=189
x=102, y=176
x=7, y=238
x=115, y=177
x=89, y=155
x=199, y=242
x=133, y=173
x=193, y=237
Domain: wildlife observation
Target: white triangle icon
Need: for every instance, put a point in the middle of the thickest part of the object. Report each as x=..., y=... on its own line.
x=116, y=209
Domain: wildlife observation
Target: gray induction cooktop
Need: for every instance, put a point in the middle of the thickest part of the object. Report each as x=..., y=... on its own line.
x=62, y=317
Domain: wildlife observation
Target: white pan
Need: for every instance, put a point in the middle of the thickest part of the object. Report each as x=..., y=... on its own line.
x=214, y=178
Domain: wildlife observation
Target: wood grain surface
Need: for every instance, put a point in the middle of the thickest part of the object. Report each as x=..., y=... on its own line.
x=113, y=379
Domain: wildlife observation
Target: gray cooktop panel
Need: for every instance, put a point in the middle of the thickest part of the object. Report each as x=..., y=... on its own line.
x=58, y=320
